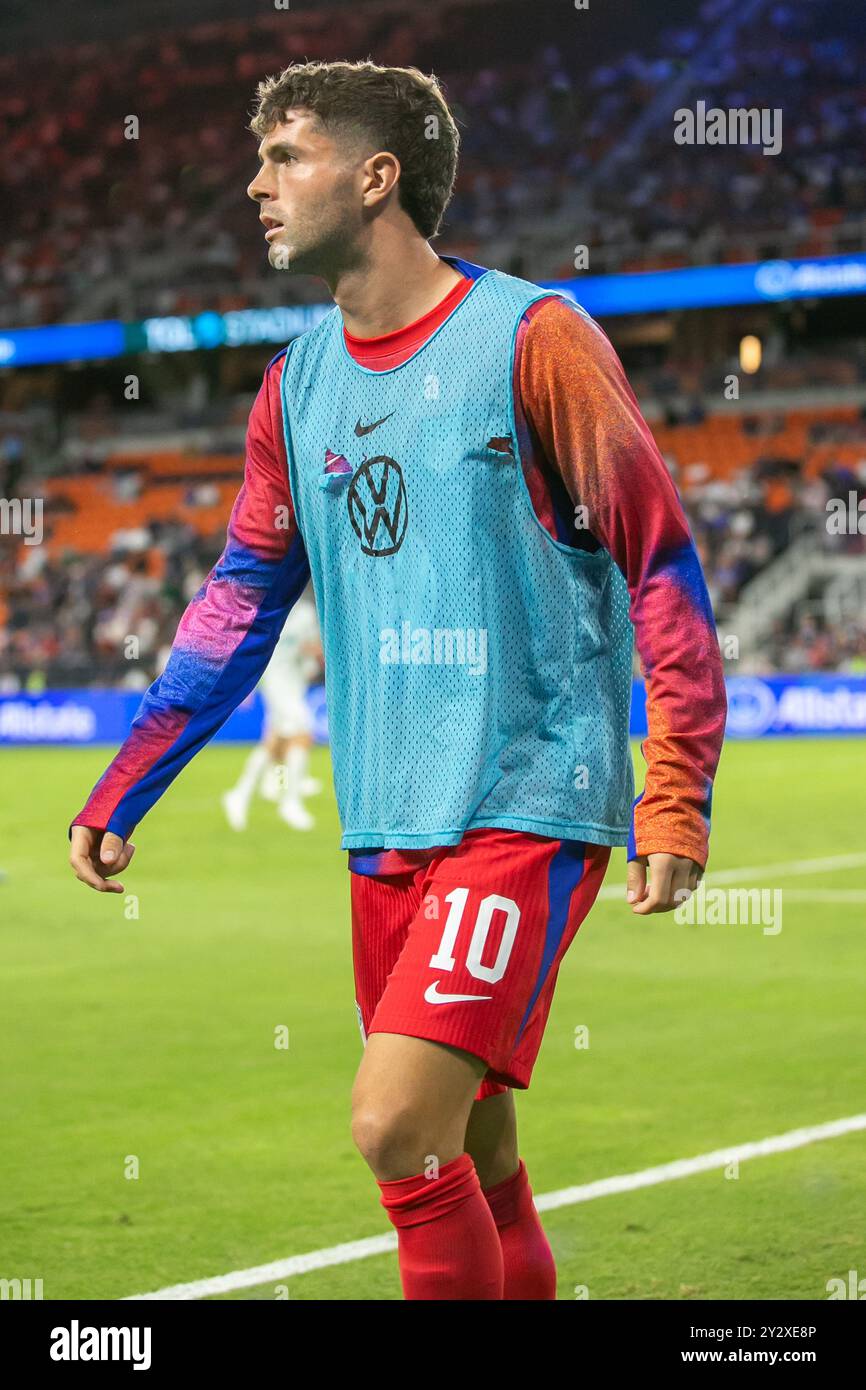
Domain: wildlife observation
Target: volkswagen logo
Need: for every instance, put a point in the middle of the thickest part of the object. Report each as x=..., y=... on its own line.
x=377, y=503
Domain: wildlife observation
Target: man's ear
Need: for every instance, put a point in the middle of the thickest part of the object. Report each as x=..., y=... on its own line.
x=381, y=173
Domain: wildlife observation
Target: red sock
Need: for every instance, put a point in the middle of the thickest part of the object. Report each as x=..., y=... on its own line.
x=530, y=1271
x=447, y=1240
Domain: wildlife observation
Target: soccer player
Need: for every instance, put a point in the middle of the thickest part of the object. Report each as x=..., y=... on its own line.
x=488, y=524
x=277, y=766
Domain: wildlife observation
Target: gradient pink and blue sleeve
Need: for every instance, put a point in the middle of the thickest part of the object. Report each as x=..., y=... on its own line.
x=225, y=637
x=584, y=442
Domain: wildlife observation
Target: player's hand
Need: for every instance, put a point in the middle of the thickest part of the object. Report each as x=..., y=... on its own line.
x=97, y=855
x=672, y=880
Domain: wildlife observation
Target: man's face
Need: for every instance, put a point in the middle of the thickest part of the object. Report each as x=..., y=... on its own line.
x=308, y=192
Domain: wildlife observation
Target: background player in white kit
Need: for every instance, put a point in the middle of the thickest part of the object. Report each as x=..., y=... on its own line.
x=277, y=766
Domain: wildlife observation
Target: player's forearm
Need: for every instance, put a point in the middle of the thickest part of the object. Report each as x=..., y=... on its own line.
x=686, y=707
x=223, y=644
x=675, y=636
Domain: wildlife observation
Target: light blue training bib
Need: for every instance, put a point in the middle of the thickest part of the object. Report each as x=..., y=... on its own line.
x=478, y=671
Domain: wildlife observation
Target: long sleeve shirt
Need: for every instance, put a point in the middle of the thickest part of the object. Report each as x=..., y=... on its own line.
x=595, y=477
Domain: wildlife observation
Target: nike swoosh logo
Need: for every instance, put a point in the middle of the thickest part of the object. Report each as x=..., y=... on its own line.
x=432, y=995
x=361, y=430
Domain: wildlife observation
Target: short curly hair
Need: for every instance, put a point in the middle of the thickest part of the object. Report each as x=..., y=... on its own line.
x=396, y=109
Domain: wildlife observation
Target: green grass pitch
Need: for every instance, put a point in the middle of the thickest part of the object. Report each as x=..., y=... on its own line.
x=151, y=1037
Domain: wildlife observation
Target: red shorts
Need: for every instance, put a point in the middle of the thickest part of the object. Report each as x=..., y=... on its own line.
x=466, y=949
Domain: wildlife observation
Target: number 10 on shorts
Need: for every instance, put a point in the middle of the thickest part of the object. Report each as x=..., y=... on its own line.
x=443, y=957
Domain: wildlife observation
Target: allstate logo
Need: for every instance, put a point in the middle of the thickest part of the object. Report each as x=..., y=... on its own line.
x=751, y=707
x=774, y=279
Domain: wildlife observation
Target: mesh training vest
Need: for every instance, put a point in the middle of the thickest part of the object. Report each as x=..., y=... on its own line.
x=478, y=671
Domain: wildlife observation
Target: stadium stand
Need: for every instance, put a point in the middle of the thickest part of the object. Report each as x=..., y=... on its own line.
x=754, y=482
x=559, y=146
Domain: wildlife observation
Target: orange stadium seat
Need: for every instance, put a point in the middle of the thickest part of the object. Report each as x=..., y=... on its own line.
x=719, y=442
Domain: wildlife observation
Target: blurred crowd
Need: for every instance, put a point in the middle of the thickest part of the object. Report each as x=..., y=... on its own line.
x=745, y=523
x=67, y=617
x=809, y=642
x=682, y=388
x=805, y=61
x=124, y=198
x=99, y=619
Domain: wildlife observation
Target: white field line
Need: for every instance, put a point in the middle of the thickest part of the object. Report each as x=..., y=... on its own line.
x=830, y=864
x=380, y=1245
x=279, y=1270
